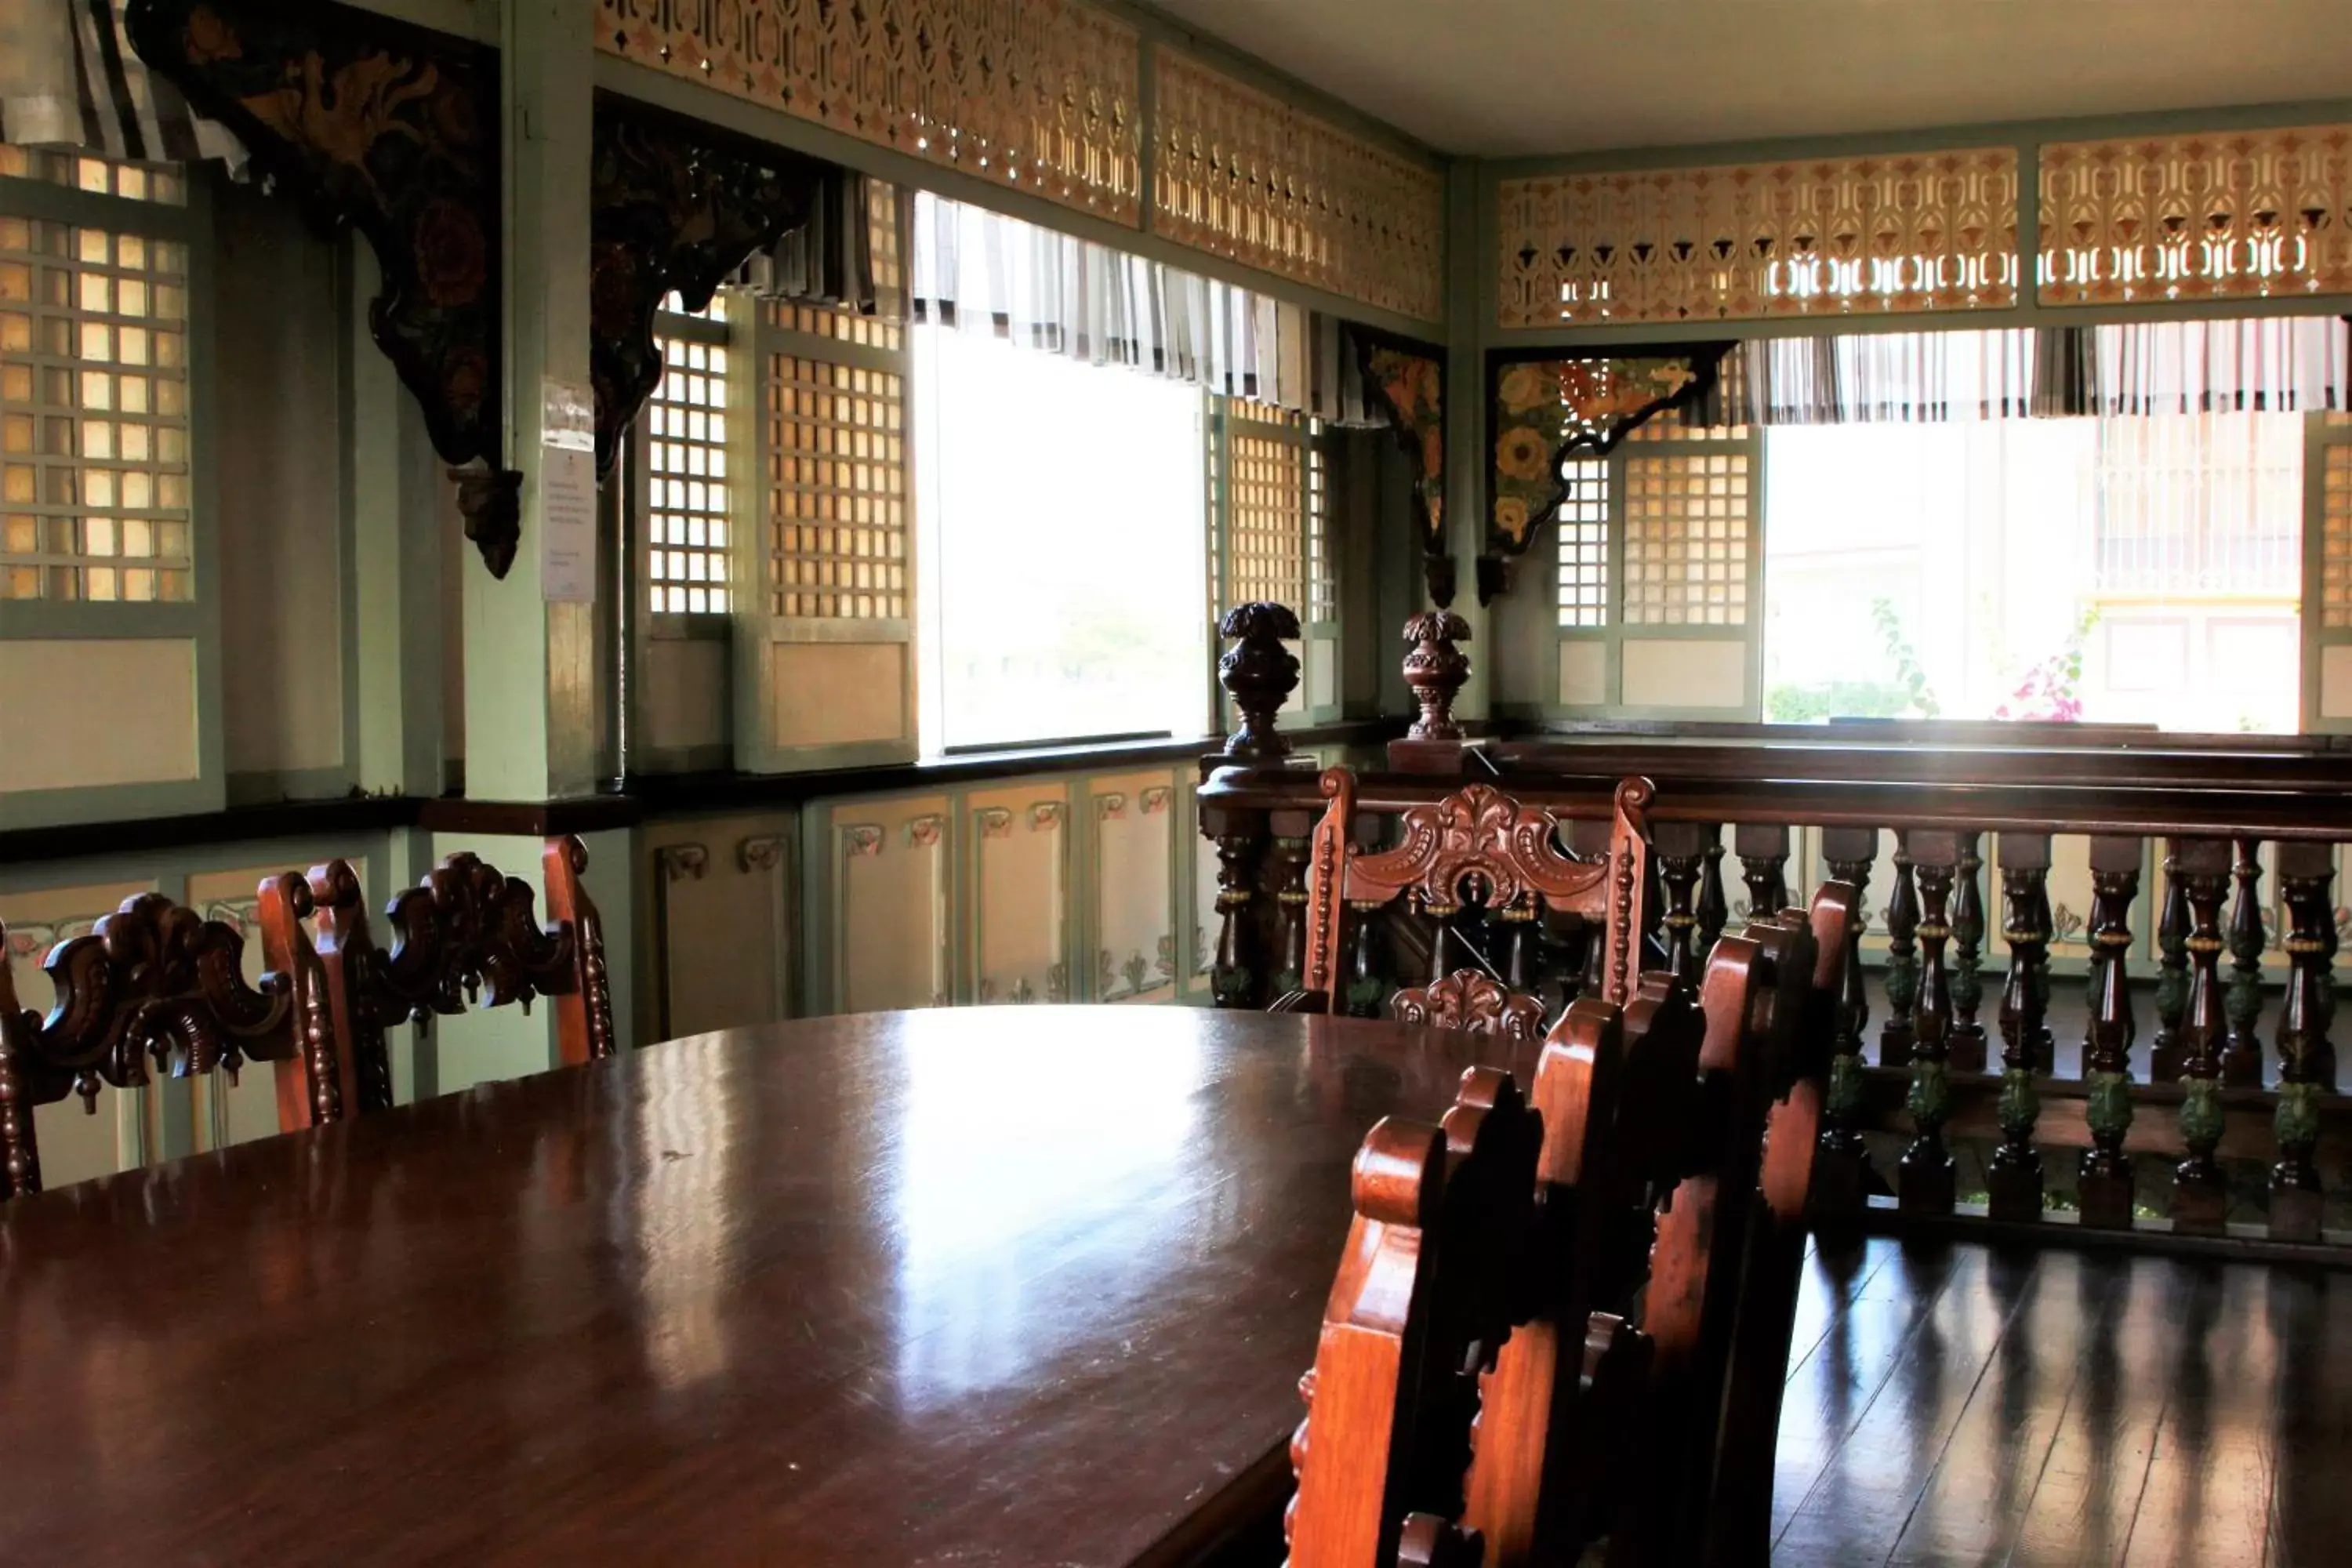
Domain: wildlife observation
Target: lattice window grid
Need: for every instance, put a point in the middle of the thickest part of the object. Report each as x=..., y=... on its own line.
x=1687, y=540
x=689, y=494
x=1583, y=525
x=1322, y=574
x=836, y=514
x=160, y=183
x=94, y=470
x=2335, y=538
x=1267, y=527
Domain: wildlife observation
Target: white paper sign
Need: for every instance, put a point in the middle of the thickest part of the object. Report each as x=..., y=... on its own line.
x=567, y=525
x=567, y=494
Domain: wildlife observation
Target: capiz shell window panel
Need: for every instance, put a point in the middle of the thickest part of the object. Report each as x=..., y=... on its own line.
x=93, y=414
x=1240, y=173
x=2237, y=215
x=1687, y=540
x=1039, y=95
x=836, y=547
x=1929, y=231
x=688, y=506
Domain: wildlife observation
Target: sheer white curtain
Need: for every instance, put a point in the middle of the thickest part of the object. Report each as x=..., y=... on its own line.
x=68, y=78
x=979, y=271
x=2281, y=365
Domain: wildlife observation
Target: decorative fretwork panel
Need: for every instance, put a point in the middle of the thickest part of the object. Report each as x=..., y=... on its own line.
x=836, y=484
x=1930, y=231
x=687, y=487
x=1265, y=532
x=93, y=412
x=1687, y=526
x=1242, y=174
x=2335, y=538
x=1583, y=522
x=1037, y=94
x=2243, y=214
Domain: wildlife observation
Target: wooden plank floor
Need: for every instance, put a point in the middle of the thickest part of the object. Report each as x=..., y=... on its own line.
x=1951, y=1405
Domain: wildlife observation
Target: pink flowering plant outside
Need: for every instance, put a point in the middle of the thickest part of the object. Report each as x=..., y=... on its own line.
x=2048, y=692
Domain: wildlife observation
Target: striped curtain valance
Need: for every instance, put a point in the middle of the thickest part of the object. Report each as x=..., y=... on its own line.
x=69, y=78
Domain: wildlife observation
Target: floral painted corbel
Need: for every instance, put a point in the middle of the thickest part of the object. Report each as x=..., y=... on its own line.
x=1405, y=382
x=391, y=129
x=1553, y=406
x=675, y=205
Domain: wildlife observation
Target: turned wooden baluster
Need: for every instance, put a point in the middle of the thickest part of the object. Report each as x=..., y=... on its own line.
x=1763, y=854
x=1681, y=848
x=2013, y=1179
x=1713, y=909
x=1967, y=1047
x=2105, y=1183
x=2307, y=1060
x=1924, y=1179
x=2201, y=866
x=1838, y=1179
x=1241, y=849
x=2242, y=1062
x=2171, y=975
x=1901, y=960
x=1290, y=858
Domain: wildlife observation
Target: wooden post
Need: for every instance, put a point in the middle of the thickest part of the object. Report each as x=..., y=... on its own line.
x=1234, y=982
x=1713, y=909
x=2013, y=1180
x=2198, y=1199
x=1763, y=852
x=2171, y=975
x=1901, y=960
x=2307, y=1059
x=1967, y=1048
x=1838, y=1185
x=1367, y=994
x=1924, y=1181
x=2106, y=1180
x=1681, y=847
x=1290, y=865
x=2241, y=1063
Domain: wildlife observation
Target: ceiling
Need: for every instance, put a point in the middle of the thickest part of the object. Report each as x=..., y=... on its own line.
x=1507, y=78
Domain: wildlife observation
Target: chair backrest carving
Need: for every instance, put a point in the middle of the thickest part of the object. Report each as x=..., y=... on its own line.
x=1471, y=1001
x=1475, y=844
x=154, y=984
x=466, y=934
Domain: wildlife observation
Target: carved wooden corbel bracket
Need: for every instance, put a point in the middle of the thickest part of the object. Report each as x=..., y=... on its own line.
x=1548, y=407
x=1406, y=380
x=392, y=130
x=676, y=205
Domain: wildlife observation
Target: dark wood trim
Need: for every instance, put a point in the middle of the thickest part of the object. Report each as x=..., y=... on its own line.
x=2065, y=1229
x=645, y=798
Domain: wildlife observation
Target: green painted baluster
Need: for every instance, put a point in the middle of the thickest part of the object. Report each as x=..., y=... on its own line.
x=2105, y=1183
x=1901, y=960
x=2241, y=1063
x=2171, y=975
x=2307, y=1059
x=2013, y=1180
x=1924, y=1181
x=2200, y=1200
x=1968, y=1045
x=1838, y=1186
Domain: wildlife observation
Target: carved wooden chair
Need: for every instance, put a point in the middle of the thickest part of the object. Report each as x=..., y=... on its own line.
x=154, y=982
x=1476, y=845
x=466, y=932
x=1421, y=1300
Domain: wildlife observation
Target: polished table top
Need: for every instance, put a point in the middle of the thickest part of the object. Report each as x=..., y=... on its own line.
x=1021, y=1285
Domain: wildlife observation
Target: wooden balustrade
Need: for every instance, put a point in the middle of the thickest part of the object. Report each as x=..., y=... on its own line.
x=1948, y=1098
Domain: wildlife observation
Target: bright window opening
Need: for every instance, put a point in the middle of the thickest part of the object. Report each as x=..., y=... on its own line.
x=2136, y=569
x=1065, y=566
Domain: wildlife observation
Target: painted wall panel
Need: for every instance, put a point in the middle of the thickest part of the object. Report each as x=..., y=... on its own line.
x=718, y=952
x=1672, y=672
x=1132, y=895
x=686, y=700
x=1584, y=673
x=890, y=900
x=835, y=694
x=1018, y=841
x=281, y=484
x=145, y=688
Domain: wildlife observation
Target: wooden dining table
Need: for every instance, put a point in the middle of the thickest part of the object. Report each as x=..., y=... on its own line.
x=1009, y=1285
